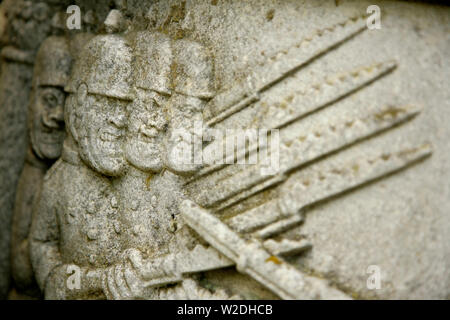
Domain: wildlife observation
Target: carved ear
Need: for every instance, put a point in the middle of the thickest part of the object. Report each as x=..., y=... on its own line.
x=74, y=111
x=81, y=94
x=72, y=119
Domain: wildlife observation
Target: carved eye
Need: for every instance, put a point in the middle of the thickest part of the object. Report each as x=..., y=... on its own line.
x=51, y=100
x=156, y=104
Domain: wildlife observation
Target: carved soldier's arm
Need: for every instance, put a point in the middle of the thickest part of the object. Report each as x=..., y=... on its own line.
x=44, y=242
x=20, y=257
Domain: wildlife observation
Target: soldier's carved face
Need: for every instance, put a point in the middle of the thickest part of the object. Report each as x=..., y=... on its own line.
x=184, y=137
x=146, y=121
x=101, y=134
x=47, y=123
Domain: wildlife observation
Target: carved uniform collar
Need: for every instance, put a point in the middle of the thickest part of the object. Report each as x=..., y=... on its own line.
x=70, y=155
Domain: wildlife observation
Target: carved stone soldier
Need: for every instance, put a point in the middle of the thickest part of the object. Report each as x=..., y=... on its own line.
x=193, y=86
x=75, y=225
x=145, y=213
x=28, y=24
x=154, y=239
x=46, y=130
x=145, y=217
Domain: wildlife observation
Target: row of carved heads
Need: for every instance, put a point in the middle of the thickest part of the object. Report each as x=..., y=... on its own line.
x=129, y=96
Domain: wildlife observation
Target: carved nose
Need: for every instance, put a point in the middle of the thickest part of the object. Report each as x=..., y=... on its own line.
x=118, y=120
x=55, y=118
x=58, y=114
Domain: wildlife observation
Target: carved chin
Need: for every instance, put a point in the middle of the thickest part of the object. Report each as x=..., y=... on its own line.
x=104, y=157
x=51, y=151
x=110, y=166
x=48, y=146
x=180, y=159
x=144, y=156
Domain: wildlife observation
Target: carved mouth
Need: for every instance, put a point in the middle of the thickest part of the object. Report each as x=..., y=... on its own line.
x=110, y=148
x=51, y=136
x=50, y=139
x=147, y=134
x=110, y=136
x=109, y=141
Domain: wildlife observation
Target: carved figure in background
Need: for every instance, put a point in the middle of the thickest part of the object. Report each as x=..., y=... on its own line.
x=46, y=130
x=29, y=23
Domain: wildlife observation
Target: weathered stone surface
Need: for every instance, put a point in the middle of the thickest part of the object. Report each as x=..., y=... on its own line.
x=46, y=130
x=357, y=185
x=28, y=24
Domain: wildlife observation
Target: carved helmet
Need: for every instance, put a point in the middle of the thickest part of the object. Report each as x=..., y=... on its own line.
x=153, y=53
x=192, y=69
x=167, y=66
x=53, y=63
x=105, y=66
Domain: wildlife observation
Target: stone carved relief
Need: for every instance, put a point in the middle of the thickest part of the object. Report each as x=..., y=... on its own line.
x=126, y=228
x=140, y=219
